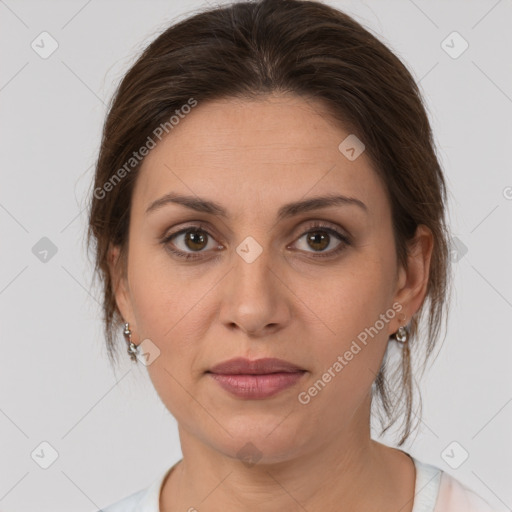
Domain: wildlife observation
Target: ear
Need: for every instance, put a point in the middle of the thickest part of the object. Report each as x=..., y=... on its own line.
x=412, y=282
x=120, y=285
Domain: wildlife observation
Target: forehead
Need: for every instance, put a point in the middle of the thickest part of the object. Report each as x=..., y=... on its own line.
x=276, y=147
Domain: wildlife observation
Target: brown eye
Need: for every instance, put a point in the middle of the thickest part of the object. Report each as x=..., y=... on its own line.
x=318, y=240
x=195, y=240
x=321, y=239
x=188, y=241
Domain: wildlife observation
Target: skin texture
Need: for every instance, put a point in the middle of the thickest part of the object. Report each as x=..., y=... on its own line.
x=252, y=157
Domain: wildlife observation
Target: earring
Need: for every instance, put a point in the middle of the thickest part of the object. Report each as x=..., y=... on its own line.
x=401, y=335
x=133, y=349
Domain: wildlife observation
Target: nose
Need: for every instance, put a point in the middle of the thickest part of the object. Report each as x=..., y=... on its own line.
x=255, y=299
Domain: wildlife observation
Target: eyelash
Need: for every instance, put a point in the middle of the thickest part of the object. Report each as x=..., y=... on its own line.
x=315, y=226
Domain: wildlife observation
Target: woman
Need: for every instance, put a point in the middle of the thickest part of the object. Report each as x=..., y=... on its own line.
x=269, y=225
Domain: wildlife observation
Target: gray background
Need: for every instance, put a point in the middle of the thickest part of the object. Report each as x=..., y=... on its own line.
x=112, y=434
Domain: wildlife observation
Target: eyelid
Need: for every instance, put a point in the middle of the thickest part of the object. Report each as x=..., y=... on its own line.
x=310, y=224
x=196, y=225
x=333, y=230
x=324, y=224
x=330, y=227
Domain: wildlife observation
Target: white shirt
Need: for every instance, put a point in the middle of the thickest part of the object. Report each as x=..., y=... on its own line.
x=435, y=491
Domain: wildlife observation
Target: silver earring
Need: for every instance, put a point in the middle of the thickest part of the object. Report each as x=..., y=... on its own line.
x=401, y=335
x=133, y=349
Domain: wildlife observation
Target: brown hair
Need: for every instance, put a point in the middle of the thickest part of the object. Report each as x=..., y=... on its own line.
x=247, y=49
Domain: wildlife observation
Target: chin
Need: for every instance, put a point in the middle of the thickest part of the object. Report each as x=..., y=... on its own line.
x=263, y=440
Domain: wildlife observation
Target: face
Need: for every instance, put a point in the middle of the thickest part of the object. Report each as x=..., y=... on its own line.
x=254, y=279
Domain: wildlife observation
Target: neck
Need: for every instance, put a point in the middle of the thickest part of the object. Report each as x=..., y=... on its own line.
x=346, y=471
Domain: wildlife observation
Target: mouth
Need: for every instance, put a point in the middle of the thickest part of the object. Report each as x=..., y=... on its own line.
x=265, y=366
x=258, y=379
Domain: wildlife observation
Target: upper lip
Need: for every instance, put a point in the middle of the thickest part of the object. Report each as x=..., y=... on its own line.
x=240, y=365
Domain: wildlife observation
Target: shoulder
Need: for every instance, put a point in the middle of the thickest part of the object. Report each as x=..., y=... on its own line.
x=128, y=504
x=455, y=496
x=438, y=491
x=145, y=500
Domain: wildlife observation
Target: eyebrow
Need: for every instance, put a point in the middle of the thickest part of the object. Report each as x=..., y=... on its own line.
x=288, y=210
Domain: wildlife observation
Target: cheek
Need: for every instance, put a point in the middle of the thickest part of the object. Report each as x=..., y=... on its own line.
x=152, y=302
x=354, y=306
x=167, y=312
x=353, y=298
x=155, y=290
x=171, y=307
x=348, y=361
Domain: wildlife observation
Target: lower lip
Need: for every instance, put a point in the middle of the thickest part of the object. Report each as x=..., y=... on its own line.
x=257, y=386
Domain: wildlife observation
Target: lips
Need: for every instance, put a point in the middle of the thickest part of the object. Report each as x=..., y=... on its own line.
x=256, y=380
x=242, y=366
